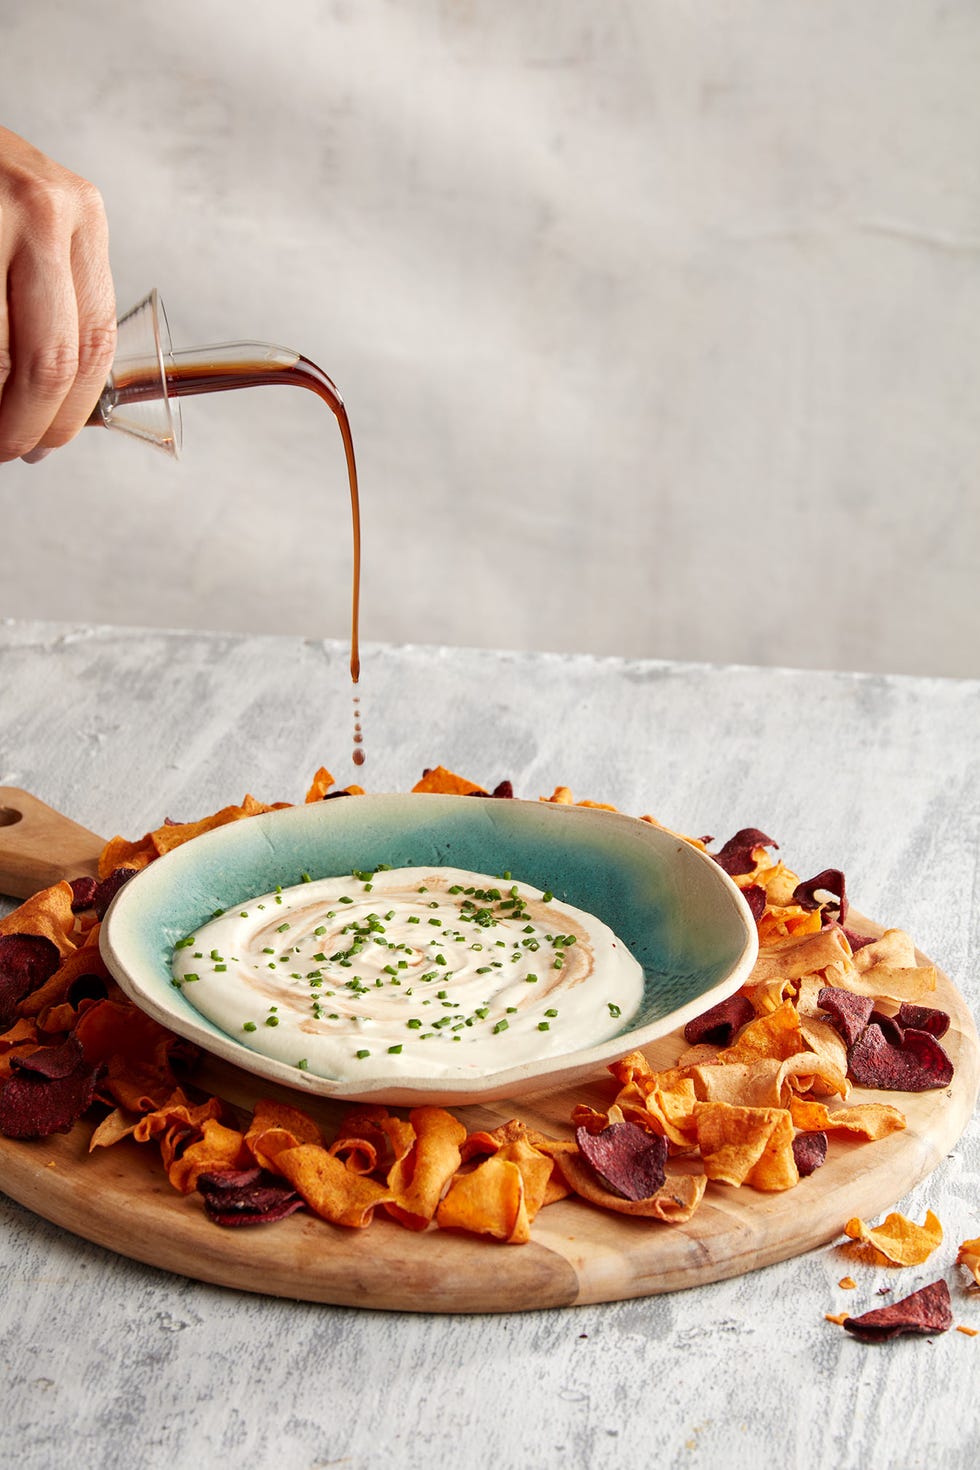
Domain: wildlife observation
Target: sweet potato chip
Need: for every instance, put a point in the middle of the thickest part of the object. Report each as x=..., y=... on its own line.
x=332, y=1191
x=742, y=1145
x=425, y=1163
x=319, y=786
x=968, y=1255
x=277, y=1126
x=48, y=915
x=897, y=1241
x=502, y=1195
x=870, y=1121
x=446, y=783
x=777, y=1034
x=925, y=1312
x=218, y=1147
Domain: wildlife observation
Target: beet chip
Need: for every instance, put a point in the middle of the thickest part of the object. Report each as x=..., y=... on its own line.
x=920, y=1063
x=923, y=1018
x=83, y=894
x=889, y=1026
x=831, y=880
x=849, y=1013
x=47, y=1092
x=756, y=899
x=109, y=887
x=26, y=961
x=926, y=1311
x=809, y=1151
x=52, y=1062
x=719, y=1025
x=503, y=789
x=629, y=1160
x=736, y=855
x=246, y=1197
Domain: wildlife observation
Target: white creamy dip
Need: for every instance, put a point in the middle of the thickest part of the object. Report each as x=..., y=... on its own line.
x=412, y=972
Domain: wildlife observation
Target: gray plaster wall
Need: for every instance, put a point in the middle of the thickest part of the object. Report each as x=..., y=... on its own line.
x=659, y=324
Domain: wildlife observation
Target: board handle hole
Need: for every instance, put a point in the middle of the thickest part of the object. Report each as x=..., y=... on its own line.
x=9, y=817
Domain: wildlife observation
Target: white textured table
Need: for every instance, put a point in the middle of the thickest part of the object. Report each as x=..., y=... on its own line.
x=107, y=1363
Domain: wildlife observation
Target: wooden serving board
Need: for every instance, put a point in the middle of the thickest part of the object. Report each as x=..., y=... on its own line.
x=120, y=1198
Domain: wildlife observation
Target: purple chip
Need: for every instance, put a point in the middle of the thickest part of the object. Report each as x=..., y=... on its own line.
x=47, y=1092
x=719, y=1024
x=736, y=855
x=26, y=961
x=628, y=1160
x=917, y=1065
x=809, y=1151
x=831, y=881
x=82, y=894
x=109, y=887
x=849, y=1013
x=923, y=1018
x=925, y=1312
x=246, y=1197
x=756, y=899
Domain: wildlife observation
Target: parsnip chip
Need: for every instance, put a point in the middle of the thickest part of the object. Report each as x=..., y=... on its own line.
x=898, y=1241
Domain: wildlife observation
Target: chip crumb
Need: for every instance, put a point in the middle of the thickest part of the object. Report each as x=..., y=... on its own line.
x=966, y=1331
x=847, y=1283
x=839, y=1318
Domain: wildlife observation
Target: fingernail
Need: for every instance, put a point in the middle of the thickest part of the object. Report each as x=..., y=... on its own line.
x=35, y=456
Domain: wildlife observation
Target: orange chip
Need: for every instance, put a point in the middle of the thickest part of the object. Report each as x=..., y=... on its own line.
x=839, y=1318
x=898, y=1241
x=118, y=853
x=777, y=1034
x=968, y=1255
x=446, y=783
x=332, y=1190
x=867, y=1120
x=319, y=786
x=48, y=915
x=83, y=961
x=277, y=1126
x=501, y=1196
x=427, y=1155
x=847, y=1283
x=217, y=1148
x=742, y=1145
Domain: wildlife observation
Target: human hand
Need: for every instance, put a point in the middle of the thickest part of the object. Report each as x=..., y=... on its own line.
x=57, y=306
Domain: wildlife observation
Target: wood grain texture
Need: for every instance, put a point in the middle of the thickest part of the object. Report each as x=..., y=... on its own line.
x=119, y=1198
x=39, y=846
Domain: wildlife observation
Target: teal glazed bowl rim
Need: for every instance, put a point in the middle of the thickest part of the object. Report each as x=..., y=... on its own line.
x=677, y=911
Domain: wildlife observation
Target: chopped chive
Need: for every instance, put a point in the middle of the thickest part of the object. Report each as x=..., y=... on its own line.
x=249, y=1026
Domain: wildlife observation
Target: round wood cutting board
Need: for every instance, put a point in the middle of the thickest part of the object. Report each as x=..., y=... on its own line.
x=120, y=1198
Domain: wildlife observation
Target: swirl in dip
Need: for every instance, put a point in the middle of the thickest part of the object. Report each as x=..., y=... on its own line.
x=413, y=972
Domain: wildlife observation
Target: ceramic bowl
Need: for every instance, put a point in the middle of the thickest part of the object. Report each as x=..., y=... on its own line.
x=675, y=909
